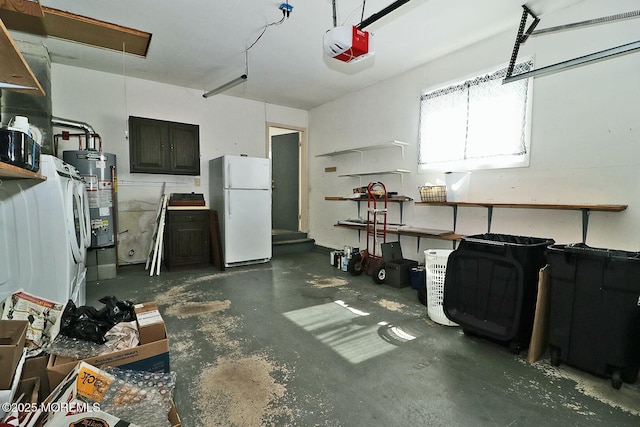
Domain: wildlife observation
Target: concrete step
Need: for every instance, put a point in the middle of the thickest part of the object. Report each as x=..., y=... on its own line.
x=290, y=242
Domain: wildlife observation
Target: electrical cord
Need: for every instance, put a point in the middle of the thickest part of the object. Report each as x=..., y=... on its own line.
x=286, y=12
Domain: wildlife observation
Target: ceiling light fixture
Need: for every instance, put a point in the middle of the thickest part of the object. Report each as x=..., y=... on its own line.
x=226, y=86
x=286, y=9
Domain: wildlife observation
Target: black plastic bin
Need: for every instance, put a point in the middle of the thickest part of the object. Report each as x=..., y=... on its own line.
x=491, y=285
x=594, y=310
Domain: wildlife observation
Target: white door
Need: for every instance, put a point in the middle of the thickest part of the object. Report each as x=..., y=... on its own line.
x=247, y=231
x=247, y=173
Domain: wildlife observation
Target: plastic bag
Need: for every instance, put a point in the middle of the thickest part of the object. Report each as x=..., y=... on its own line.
x=89, y=324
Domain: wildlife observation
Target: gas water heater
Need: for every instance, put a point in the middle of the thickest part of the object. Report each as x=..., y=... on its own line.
x=99, y=172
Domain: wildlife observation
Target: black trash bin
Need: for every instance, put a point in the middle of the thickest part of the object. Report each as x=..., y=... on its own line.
x=594, y=310
x=491, y=285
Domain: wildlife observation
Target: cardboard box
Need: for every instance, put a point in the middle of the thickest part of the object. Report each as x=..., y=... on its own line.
x=174, y=418
x=83, y=381
x=72, y=400
x=31, y=389
x=150, y=323
x=8, y=395
x=12, y=338
x=36, y=367
x=152, y=357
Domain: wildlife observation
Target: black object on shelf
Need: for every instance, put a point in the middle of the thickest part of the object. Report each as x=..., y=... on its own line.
x=397, y=268
x=594, y=310
x=19, y=149
x=491, y=286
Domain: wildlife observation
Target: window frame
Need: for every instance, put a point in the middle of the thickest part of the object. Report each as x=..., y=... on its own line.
x=483, y=163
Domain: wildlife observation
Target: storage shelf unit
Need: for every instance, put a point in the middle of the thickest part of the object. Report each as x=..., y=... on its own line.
x=397, y=199
x=362, y=150
x=367, y=148
x=407, y=231
x=585, y=209
x=8, y=171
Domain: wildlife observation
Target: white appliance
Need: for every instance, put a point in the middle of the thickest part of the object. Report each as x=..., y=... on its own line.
x=45, y=225
x=240, y=191
x=348, y=44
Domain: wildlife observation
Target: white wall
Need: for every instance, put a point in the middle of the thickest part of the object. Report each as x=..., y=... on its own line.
x=585, y=141
x=228, y=125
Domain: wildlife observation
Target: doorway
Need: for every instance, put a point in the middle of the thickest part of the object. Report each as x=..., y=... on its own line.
x=286, y=148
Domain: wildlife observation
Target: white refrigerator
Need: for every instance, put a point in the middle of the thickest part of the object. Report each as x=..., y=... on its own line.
x=240, y=191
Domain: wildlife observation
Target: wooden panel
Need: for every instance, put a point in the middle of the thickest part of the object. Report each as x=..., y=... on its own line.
x=68, y=26
x=217, y=256
x=14, y=70
x=185, y=148
x=29, y=7
x=148, y=145
x=188, y=239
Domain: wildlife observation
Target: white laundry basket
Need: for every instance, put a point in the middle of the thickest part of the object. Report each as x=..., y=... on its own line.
x=436, y=267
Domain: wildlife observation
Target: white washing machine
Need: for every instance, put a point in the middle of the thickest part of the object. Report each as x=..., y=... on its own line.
x=47, y=225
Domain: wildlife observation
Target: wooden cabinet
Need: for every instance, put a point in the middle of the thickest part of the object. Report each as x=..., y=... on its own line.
x=187, y=239
x=157, y=146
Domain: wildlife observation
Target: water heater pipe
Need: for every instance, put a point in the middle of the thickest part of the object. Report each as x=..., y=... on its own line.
x=66, y=123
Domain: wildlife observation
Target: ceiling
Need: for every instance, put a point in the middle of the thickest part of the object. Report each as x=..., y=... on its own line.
x=201, y=44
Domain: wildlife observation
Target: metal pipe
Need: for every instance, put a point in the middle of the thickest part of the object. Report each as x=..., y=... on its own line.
x=335, y=15
x=387, y=10
x=73, y=124
x=598, y=56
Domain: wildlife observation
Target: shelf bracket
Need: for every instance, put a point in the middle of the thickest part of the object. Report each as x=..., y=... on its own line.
x=489, y=218
x=418, y=247
x=585, y=224
x=455, y=217
x=401, y=208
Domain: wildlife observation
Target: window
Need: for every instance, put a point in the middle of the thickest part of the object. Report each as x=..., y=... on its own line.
x=477, y=124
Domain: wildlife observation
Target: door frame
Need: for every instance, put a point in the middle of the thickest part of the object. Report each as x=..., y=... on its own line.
x=277, y=129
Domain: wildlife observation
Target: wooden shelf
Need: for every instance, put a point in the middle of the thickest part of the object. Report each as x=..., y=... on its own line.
x=601, y=208
x=585, y=209
x=13, y=172
x=395, y=199
x=15, y=73
x=407, y=232
x=366, y=148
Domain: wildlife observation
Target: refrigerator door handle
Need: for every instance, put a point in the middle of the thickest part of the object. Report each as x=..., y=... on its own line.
x=228, y=202
x=229, y=175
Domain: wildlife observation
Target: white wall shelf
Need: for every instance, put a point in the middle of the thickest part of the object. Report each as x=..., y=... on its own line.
x=360, y=150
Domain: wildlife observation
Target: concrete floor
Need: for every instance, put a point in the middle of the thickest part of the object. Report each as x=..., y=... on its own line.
x=297, y=342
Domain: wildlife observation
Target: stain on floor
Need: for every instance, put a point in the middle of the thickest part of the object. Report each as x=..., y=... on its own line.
x=241, y=392
x=594, y=387
x=328, y=282
x=390, y=305
x=190, y=309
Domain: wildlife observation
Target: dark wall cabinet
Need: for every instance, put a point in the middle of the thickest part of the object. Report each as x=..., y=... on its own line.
x=158, y=146
x=187, y=239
